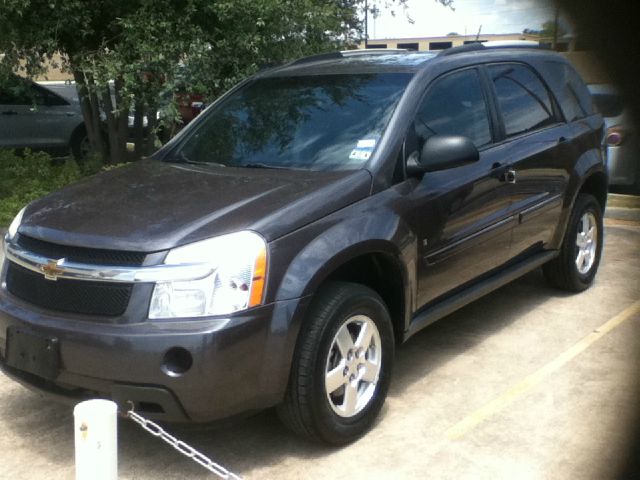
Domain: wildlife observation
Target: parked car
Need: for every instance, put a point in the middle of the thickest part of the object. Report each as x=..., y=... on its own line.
x=621, y=138
x=316, y=216
x=33, y=116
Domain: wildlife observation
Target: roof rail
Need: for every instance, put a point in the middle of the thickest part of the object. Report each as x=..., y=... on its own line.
x=347, y=53
x=470, y=47
x=368, y=51
x=474, y=47
x=315, y=58
x=512, y=44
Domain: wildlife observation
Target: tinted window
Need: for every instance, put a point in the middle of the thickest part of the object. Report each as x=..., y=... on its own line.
x=563, y=86
x=523, y=99
x=15, y=91
x=18, y=91
x=608, y=104
x=323, y=122
x=409, y=46
x=43, y=96
x=440, y=45
x=455, y=105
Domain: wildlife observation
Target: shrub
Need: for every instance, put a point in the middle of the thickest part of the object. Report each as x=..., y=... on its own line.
x=25, y=177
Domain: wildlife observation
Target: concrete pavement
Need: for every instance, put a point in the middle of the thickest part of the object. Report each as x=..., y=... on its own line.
x=526, y=383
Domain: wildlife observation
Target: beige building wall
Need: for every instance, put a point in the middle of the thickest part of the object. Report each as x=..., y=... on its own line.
x=586, y=62
x=427, y=43
x=54, y=71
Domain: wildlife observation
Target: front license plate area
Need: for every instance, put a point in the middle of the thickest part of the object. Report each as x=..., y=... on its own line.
x=33, y=353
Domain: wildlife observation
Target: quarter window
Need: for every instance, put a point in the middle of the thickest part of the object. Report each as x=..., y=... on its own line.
x=523, y=99
x=566, y=86
x=455, y=105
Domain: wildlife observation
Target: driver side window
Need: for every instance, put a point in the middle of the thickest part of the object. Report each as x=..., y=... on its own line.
x=455, y=105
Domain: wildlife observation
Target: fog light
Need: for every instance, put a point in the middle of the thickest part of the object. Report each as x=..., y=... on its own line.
x=176, y=361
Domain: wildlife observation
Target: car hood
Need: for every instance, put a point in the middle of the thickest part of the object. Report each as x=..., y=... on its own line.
x=151, y=206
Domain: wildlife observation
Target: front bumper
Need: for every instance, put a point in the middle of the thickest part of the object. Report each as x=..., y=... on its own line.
x=240, y=363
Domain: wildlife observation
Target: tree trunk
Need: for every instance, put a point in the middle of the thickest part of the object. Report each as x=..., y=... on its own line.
x=117, y=139
x=91, y=113
x=122, y=120
x=152, y=124
x=138, y=130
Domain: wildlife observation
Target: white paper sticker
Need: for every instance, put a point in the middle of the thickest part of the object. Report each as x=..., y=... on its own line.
x=367, y=143
x=357, y=154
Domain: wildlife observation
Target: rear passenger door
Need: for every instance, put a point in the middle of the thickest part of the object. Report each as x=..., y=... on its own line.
x=460, y=215
x=536, y=146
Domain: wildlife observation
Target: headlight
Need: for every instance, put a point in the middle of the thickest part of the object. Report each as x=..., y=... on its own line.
x=239, y=262
x=13, y=228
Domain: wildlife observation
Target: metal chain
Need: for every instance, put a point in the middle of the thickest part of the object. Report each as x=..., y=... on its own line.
x=188, y=451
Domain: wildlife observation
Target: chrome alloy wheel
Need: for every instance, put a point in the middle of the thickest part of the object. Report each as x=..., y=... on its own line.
x=586, y=243
x=353, y=366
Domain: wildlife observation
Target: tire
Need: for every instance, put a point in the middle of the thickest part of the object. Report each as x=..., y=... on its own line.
x=336, y=409
x=80, y=145
x=578, y=248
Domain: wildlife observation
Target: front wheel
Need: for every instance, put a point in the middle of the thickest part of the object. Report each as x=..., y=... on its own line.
x=575, y=267
x=342, y=365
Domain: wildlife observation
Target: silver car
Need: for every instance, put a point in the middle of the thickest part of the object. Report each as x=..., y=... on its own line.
x=621, y=137
x=33, y=116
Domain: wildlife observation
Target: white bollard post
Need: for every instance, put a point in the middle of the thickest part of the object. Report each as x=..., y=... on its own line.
x=96, y=438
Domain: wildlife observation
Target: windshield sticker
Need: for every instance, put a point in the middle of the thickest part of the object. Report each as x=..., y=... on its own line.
x=364, y=149
x=367, y=143
x=359, y=154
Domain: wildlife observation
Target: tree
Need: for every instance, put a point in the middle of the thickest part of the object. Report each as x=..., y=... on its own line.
x=124, y=54
x=549, y=29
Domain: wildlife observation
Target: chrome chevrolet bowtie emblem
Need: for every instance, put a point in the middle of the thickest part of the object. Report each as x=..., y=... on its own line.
x=52, y=269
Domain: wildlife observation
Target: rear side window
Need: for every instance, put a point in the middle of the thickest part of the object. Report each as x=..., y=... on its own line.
x=523, y=99
x=570, y=91
x=608, y=104
x=455, y=105
x=15, y=91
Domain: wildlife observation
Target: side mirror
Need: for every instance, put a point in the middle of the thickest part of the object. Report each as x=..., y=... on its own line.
x=441, y=152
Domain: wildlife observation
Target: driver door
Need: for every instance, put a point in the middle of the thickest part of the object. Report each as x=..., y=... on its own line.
x=461, y=215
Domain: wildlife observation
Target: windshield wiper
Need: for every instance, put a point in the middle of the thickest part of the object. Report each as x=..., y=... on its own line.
x=264, y=165
x=182, y=158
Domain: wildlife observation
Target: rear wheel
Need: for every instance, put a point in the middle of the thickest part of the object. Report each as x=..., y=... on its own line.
x=80, y=145
x=342, y=365
x=575, y=267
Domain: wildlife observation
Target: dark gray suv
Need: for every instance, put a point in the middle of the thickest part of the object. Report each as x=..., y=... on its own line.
x=313, y=218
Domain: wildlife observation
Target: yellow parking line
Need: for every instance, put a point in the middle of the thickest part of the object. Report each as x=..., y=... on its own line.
x=521, y=388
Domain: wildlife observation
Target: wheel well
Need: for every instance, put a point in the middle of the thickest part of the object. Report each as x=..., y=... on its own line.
x=596, y=185
x=381, y=273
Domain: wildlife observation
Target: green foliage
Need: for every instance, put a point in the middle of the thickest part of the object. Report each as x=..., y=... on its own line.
x=24, y=178
x=126, y=55
x=130, y=55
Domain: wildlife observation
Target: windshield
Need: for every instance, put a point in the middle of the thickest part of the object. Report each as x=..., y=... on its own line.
x=324, y=122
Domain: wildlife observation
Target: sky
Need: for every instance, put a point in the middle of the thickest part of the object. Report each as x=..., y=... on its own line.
x=433, y=19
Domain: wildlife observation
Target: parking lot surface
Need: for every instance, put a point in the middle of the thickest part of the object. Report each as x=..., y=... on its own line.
x=525, y=383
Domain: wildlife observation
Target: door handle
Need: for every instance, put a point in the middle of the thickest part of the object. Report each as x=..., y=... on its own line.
x=509, y=176
x=9, y=112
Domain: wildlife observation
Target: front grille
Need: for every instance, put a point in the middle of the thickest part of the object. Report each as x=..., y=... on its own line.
x=63, y=295
x=92, y=256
